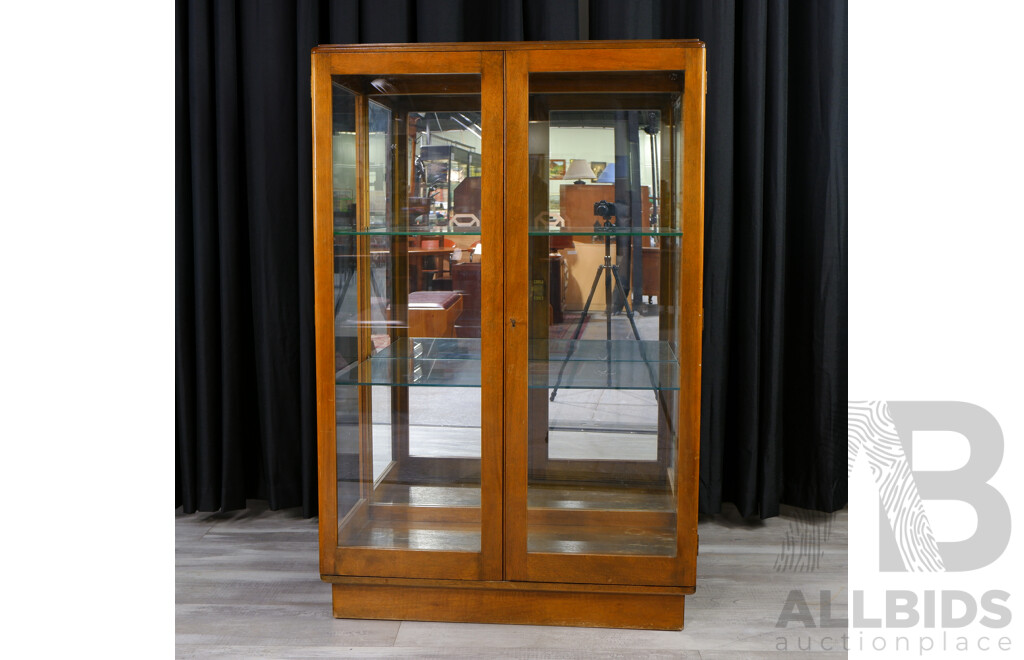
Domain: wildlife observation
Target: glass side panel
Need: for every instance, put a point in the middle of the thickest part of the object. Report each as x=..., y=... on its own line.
x=407, y=267
x=604, y=259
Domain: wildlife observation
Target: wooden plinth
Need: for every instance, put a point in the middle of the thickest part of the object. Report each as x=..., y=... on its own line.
x=594, y=606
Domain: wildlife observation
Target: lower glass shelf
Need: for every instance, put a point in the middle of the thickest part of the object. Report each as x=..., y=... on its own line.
x=418, y=361
x=416, y=535
x=465, y=537
x=569, y=364
x=587, y=519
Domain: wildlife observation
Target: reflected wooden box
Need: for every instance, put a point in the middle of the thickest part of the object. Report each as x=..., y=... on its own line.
x=433, y=313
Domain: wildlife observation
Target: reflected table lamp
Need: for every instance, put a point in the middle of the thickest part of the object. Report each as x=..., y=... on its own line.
x=607, y=175
x=579, y=169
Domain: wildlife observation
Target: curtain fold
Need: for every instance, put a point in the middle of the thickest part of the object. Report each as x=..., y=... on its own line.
x=774, y=386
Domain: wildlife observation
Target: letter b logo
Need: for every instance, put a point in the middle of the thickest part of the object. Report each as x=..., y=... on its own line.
x=883, y=431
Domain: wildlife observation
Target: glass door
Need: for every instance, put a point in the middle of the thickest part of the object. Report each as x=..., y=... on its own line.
x=415, y=153
x=602, y=315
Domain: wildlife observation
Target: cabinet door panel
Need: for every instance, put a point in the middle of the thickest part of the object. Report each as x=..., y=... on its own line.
x=414, y=155
x=601, y=443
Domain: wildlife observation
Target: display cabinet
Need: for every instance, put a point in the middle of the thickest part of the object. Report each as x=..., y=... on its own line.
x=508, y=275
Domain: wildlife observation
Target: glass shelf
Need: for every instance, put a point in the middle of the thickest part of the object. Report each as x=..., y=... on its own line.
x=419, y=362
x=406, y=231
x=431, y=348
x=618, y=350
x=614, y=231
x=596, y=374
x=594, y=364
x=417, y=372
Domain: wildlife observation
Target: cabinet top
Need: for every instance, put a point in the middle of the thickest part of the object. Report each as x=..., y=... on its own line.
x=513, y=45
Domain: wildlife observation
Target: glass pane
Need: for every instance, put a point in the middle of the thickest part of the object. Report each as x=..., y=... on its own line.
x=604, y=282
x=407, y=161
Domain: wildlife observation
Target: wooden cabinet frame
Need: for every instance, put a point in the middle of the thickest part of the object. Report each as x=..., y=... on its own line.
x=503, y=582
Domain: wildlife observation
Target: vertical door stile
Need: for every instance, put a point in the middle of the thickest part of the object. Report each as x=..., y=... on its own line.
x=323, y=268
x=492, y=311
x=514, y=321
x=691, y=311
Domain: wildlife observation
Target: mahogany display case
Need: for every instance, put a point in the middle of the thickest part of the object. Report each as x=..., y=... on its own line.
x=511, y=464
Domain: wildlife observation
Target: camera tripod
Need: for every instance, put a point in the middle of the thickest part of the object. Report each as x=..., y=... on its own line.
x=611, y=273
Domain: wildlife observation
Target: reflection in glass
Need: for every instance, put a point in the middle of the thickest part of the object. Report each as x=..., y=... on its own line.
x=407, y=218
x=604, y=369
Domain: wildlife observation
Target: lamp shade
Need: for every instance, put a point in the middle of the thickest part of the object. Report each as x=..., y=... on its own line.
x=608, y=175
x=579, y=168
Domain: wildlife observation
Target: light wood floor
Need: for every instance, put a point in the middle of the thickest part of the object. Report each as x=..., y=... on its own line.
x=247, y=586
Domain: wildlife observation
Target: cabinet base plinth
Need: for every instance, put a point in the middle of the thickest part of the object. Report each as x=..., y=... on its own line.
x=520, y=605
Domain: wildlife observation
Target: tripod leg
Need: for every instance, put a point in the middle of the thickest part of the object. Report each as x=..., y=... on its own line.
x=608, y=309
x=608, y=306
x=643, y=356
x=629, y=311
x=344, y=281
x=576, y=333
x=636, y=333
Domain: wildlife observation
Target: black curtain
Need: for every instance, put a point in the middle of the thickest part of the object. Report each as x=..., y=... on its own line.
x=775, y=296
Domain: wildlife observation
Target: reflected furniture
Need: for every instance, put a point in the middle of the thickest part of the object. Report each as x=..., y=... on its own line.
x=466, y=282
x=577, y=202
x=433, y=313
x=500, y=451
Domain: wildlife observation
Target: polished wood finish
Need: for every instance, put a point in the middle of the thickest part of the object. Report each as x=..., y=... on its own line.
x=434, y=322
x=492, y=195
x=588, y=567
x=323, y=301
x=358, y=61
x=508, y=585
x=337, y=558
x=604, y=59
x=633, y=82
x=595, y=609
x=493, y=553
x=506, y=46
x=396, y=562
x=691, y=302
x=517, y=217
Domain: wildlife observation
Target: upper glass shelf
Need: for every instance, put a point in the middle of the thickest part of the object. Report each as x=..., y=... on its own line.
x=566, y=364
x=612, y=231
x=408, y=231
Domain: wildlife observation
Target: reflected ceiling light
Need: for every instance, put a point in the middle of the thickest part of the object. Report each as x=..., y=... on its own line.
x=383, y=86
x=466, y=126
